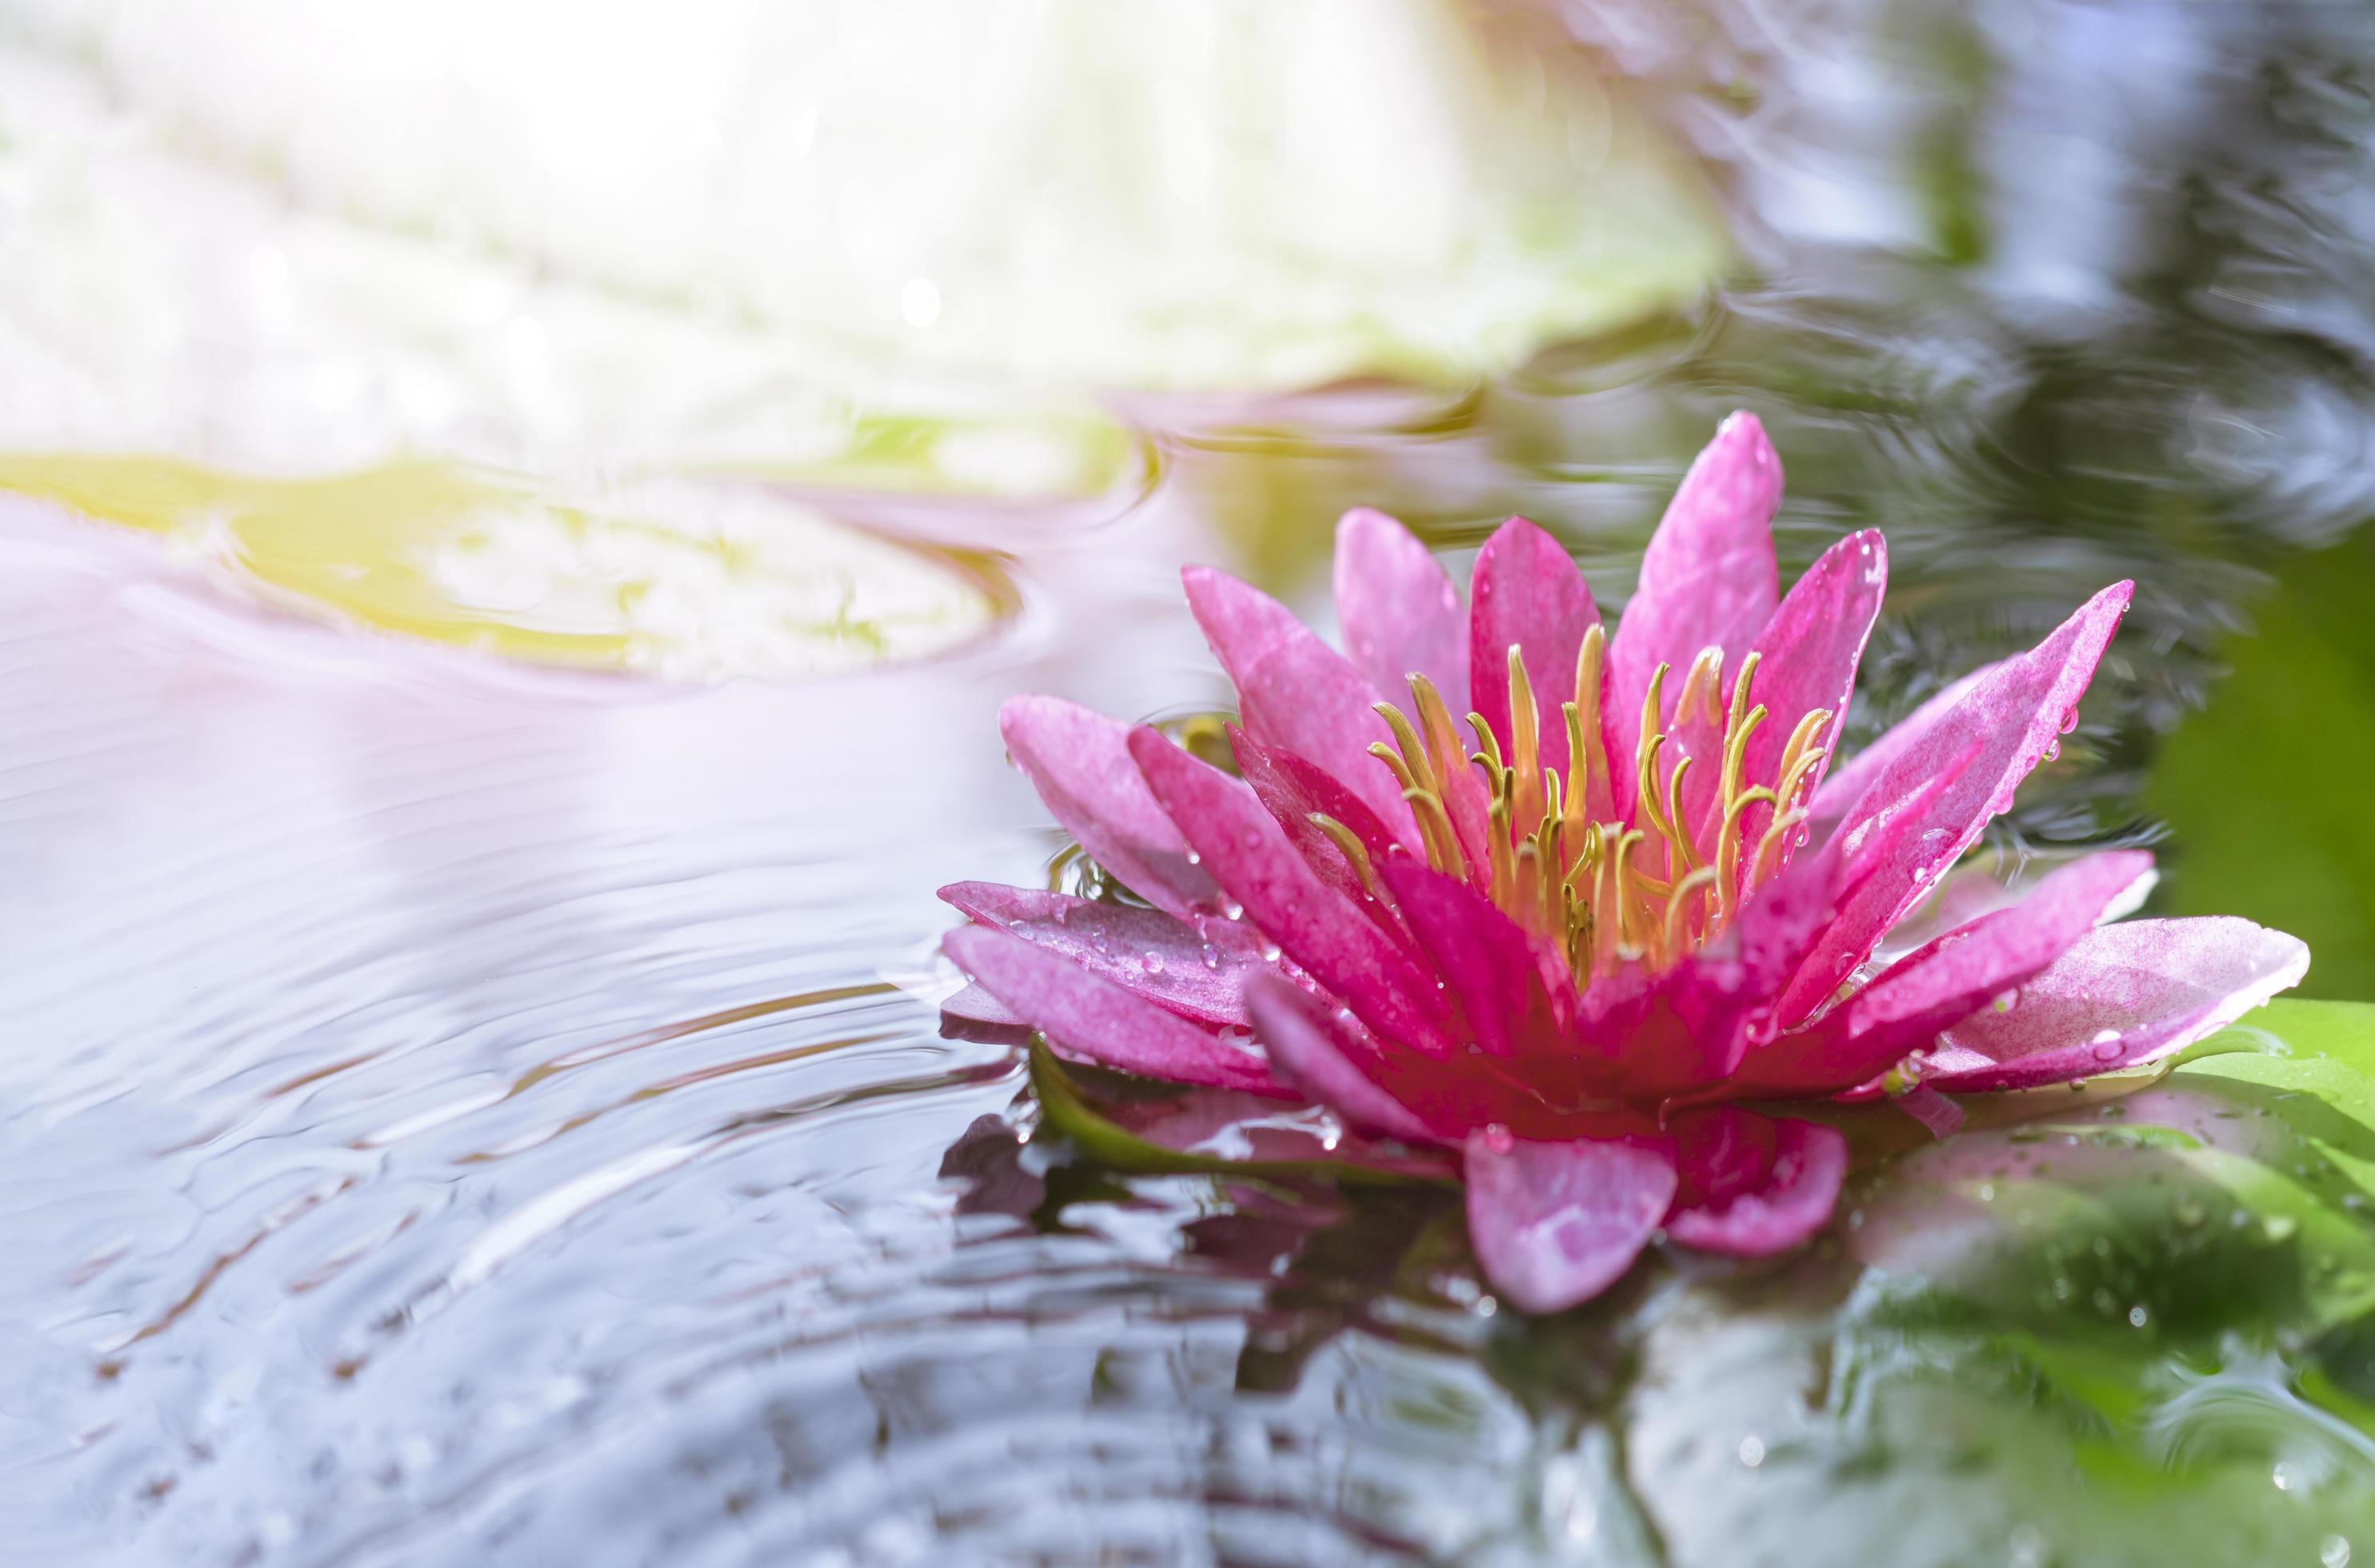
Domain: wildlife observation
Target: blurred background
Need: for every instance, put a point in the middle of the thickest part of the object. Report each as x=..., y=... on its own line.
x=515, y=519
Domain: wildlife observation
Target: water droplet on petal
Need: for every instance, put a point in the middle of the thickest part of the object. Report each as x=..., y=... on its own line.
x=1232, y=909
x=1269, y=953
x=1153, y=963
x=1194, y=858
x=1212, y=956
x=1499, y=1139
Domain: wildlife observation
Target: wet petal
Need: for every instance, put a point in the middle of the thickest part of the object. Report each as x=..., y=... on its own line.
x=1753, y=1185
x=1143, y=951
x=1941, y=983
x=1844, y=785
x=1401, y=611
x=1080, y=762
x=1707, y=578
x=1319, y=929
x=1316, y=1052
x=2119, y=997
x=1808, y=656
x=1484, y=958
x=1556, y=1223
x=2011, y=716
x=1296, y=692
x=1292, y=790
x=1526, y=591
x=1095, y=1021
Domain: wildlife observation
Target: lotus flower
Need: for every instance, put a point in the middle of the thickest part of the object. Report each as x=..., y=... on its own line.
x=1564, y=940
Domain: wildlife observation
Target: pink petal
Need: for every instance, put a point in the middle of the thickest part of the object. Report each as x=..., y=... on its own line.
x=2119, y=997
x=1754, y=1186
x=1316, y=926
x=972, y=1006
x=1400, y=612
x=1941, y=983
x=1686, y=1035
x=1292, y=790
x=1143, y=951
x=2012, y=716
x=1095, y=1021
x=1556, y=1223
x=1526, y=592
x=1810, y=650
x=1845, y=784
x=1296, y=692
x=1485, y=958
x=1080, y=762
x=1708, y=579
x=1311, y=1049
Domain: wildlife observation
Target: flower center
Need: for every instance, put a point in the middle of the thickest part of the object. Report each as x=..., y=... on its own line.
x=1600, y=882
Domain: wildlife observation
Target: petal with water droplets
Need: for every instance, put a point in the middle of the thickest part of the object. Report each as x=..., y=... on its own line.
x=1707, y=578
x=2120, y=997
x=1554, y=1225
x=2011, y=717
x=1311, y=1049
x=1143, y=951
x=1095, y=1021
x=1079, y=761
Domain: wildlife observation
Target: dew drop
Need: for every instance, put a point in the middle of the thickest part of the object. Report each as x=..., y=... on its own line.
x=1212, y=956
x=1251, y=838
x=1752, y=1451
x=1499, y=1139
x=1269, y=953
x=1153, y=962
x=2138, y=1316
x=2334, y=1552
x=1232, y=909
x=1194, y=858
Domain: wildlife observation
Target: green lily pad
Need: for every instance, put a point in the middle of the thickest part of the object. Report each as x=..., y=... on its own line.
x=684, y=580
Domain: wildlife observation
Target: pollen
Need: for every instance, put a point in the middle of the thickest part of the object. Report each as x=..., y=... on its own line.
x=1601, y=883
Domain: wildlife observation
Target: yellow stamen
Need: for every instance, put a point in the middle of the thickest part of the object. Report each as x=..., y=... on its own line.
x=1414, y=756
x=1435, y=828
x=1703, y=688
x=1728, y=845
x=1525, y=741
x=1678, y=834
x=1801, y=739
x=1769, y=848
x=1443, y=748
x=1352, y=848
x=1402, y=775
x=1503, y=869
x=1678, y=904
x=1588, y=761
x=1527, y=888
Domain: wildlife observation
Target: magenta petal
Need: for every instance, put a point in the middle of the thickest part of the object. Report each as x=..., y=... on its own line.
x=1556, y=1223
x=2011, y=716
x=1485, y=958
x=1809, y=653
x=1844, y=785
x=1311, y=1049
x=1708, y=579
x=1095, y=1021
x=1753, y=1185
x=1143, y=951
x=2119, y=996
x=1943, y=982
x=1401, y=613
x=1313, y=925
x=1080, y=762
x=1292, y=791
x=1296, y=692
x=1526, y=592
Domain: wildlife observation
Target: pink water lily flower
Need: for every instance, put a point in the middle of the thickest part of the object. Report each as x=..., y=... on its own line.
x=1495, y=881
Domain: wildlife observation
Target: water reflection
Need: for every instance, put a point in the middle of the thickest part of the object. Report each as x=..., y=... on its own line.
x=455, y=1110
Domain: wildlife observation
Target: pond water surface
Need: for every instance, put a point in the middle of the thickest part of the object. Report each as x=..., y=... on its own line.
x=460, y=1107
